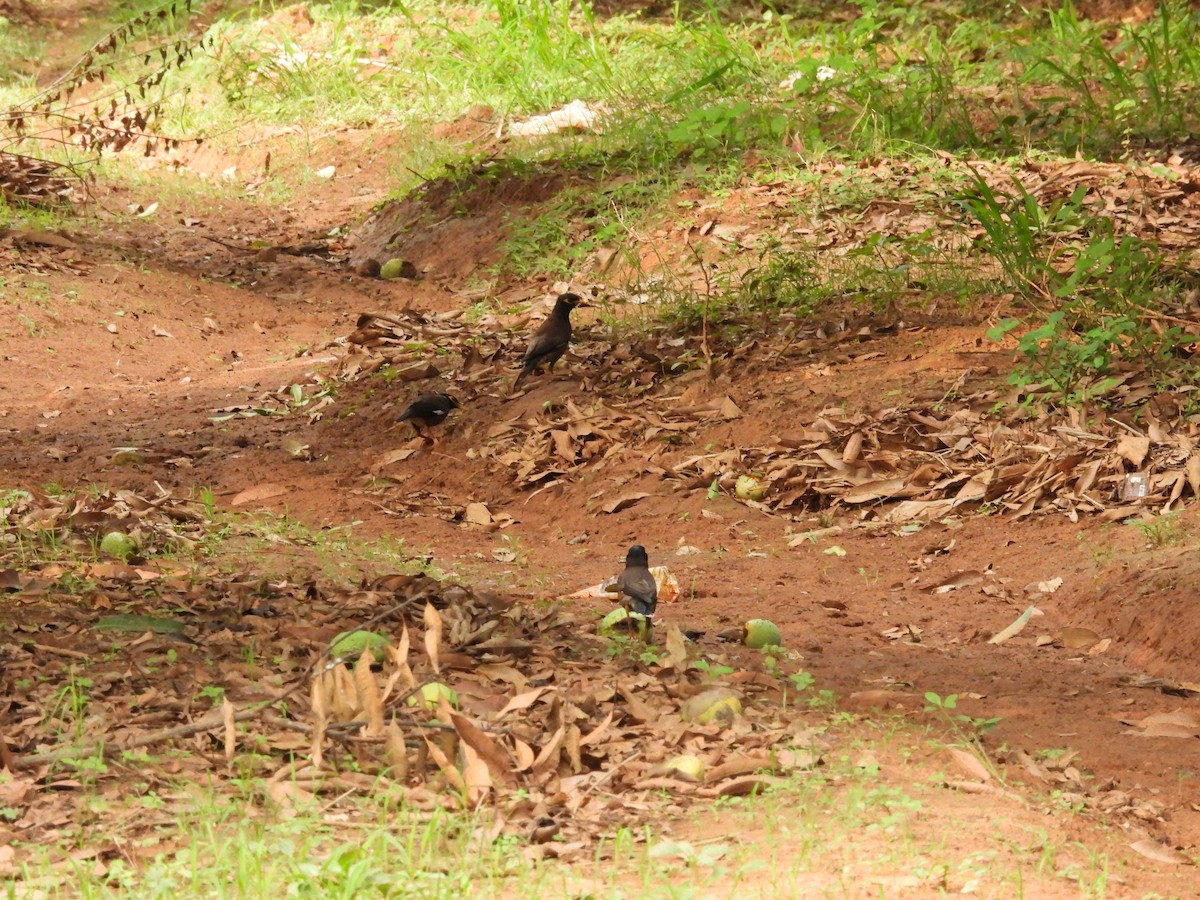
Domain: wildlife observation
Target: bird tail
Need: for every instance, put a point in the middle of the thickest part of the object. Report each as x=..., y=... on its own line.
x=641, y=607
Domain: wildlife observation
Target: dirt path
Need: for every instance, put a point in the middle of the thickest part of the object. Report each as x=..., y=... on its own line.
x=143, y=340
x=148, y=332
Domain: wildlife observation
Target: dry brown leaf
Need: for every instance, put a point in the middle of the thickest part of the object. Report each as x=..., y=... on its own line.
x=453, y=776
x=488, y=750
x=396, y=751
x=433, y=636
x=391, y=457
x=230, y=729
x=344, y=705
x=564, y=445
x=677, y=652
x=548, y=757
x=1134, y=448
x=524, y=755
x=1193, y=473
x=522, y=701
x=624, y=501
x=369, y=697
x=635, y=709
x=476, y=775
x=597, y=734
x=853, y=449
x=14, y=791
x=477, y=514
x=505, y=673
x=319, y=694
x=1152, y=849
x=969, y=763
x=879, y=490
x=399, y=657
x=259, y=493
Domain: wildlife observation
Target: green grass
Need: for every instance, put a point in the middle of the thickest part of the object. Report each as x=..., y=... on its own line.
x=18, y=45
x=212, y=849
x=702, y=88
x=727, y=99
x=217, y=538
x=877, y=109
x=845, y=823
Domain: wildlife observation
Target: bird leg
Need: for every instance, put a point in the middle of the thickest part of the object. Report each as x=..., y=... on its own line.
x=642, y=625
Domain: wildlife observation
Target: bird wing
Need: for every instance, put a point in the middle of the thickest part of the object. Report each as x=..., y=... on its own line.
x=639, y=586
x=544, y=346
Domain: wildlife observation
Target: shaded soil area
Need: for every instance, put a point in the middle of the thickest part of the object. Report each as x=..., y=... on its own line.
x=196, y=349
x=153, y=336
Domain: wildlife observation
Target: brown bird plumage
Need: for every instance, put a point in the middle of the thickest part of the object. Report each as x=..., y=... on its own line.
x=638, y=590
x=550, y=341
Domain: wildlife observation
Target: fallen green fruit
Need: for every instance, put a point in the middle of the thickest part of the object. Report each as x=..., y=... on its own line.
x=396, y=268
x=690, y=767
x=750, y=487
x=762, y=633
x=715, y=705
x=431, y=693
x=118, y=544
x=645, y=624
x=139, y=624
x=620, y=614
x=349, y=645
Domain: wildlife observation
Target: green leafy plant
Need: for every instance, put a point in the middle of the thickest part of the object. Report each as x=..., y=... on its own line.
x=711, y=671
x=1133, y=86
x=1094, y=294
x=1024, y=237
x=1163, y=531
x=727, y=126
x=966, y=727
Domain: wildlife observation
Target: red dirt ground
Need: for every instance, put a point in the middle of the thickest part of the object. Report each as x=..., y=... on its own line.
x=76, y=390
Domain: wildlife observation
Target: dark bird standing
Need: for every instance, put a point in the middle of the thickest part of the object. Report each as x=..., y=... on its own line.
x=426, y=411
x=550, y=341
x=638, y=590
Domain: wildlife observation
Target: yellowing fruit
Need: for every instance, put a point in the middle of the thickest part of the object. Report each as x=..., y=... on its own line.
x=760, y=633
x=431, y=693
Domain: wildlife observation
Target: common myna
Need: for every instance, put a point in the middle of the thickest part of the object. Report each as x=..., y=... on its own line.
x=550, y=341
x=426, y=411
x=638, y=590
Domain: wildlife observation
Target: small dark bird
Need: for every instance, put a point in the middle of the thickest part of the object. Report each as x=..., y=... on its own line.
x=550, y=341
x=426, y=411
x=638, y=590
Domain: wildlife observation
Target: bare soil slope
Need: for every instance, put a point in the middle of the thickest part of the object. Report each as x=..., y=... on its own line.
x=148, y=333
